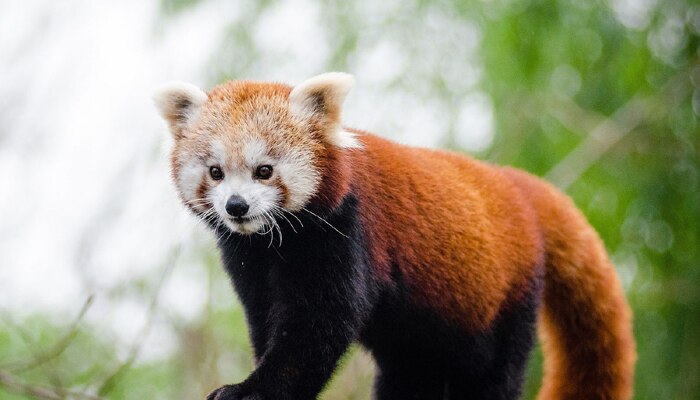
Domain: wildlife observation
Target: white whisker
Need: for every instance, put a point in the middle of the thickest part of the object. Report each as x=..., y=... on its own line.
x=292, y=214
x=277, y=225
x=277, y=212
x=326, y=222
x=199, y=200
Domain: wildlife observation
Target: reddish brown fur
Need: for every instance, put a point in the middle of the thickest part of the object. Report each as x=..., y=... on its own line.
x=464, y=245
x=468, y=236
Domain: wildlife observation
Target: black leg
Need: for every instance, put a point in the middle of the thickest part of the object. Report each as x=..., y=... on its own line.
x=319, y=294
x=503, y=353
x=251, y=281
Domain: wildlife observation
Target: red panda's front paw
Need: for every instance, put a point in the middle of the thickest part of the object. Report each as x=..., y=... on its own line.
x=233, y=392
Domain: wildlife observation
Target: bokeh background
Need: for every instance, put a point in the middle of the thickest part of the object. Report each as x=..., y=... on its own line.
x=108, y=289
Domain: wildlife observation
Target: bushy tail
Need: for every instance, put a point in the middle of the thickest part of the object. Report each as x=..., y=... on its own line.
x=586, y=324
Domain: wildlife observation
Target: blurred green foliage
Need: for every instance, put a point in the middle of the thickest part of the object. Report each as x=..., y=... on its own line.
x=602, y=98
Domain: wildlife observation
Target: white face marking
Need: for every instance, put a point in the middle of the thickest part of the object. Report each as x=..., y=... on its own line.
x=190, y=177
x=255, y=153
x=299, y=176
x=239, y=180
x=218, y=153
x=260, y=197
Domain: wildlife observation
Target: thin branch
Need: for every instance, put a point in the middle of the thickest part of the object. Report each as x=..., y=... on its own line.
x=601, y=139
x=13, y=384
x=34, y=348
x=137, y=344
x=58, y=348
x=609, y=131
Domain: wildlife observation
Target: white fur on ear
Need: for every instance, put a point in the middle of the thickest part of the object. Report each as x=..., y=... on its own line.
x=323, y=96
x=179, y=103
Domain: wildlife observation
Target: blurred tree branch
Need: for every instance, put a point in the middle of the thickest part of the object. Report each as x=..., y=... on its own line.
x=14, y=384
x=41, y=357
x=112, y=379
x=609, y=131
x=58, y=348
x=35, y=350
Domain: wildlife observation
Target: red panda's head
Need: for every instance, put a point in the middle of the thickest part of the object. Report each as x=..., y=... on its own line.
x=248, y=152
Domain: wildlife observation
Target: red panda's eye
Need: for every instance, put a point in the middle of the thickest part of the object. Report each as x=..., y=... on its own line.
x=216, y=173
x=263, y=172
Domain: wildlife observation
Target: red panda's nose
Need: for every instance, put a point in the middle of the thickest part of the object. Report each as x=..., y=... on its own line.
x=236, y=206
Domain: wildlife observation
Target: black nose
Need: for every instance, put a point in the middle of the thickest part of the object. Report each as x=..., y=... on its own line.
x=236, y=206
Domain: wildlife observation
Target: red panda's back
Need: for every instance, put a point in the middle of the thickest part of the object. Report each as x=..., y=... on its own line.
x=459, y=231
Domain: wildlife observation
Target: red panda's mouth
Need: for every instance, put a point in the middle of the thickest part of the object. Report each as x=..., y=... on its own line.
x=245, y=225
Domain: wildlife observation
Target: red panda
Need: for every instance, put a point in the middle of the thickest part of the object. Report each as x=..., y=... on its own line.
x=442, y=266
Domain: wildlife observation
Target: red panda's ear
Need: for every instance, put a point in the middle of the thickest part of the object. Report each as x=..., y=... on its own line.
x=179, y=104
x=322, y=97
